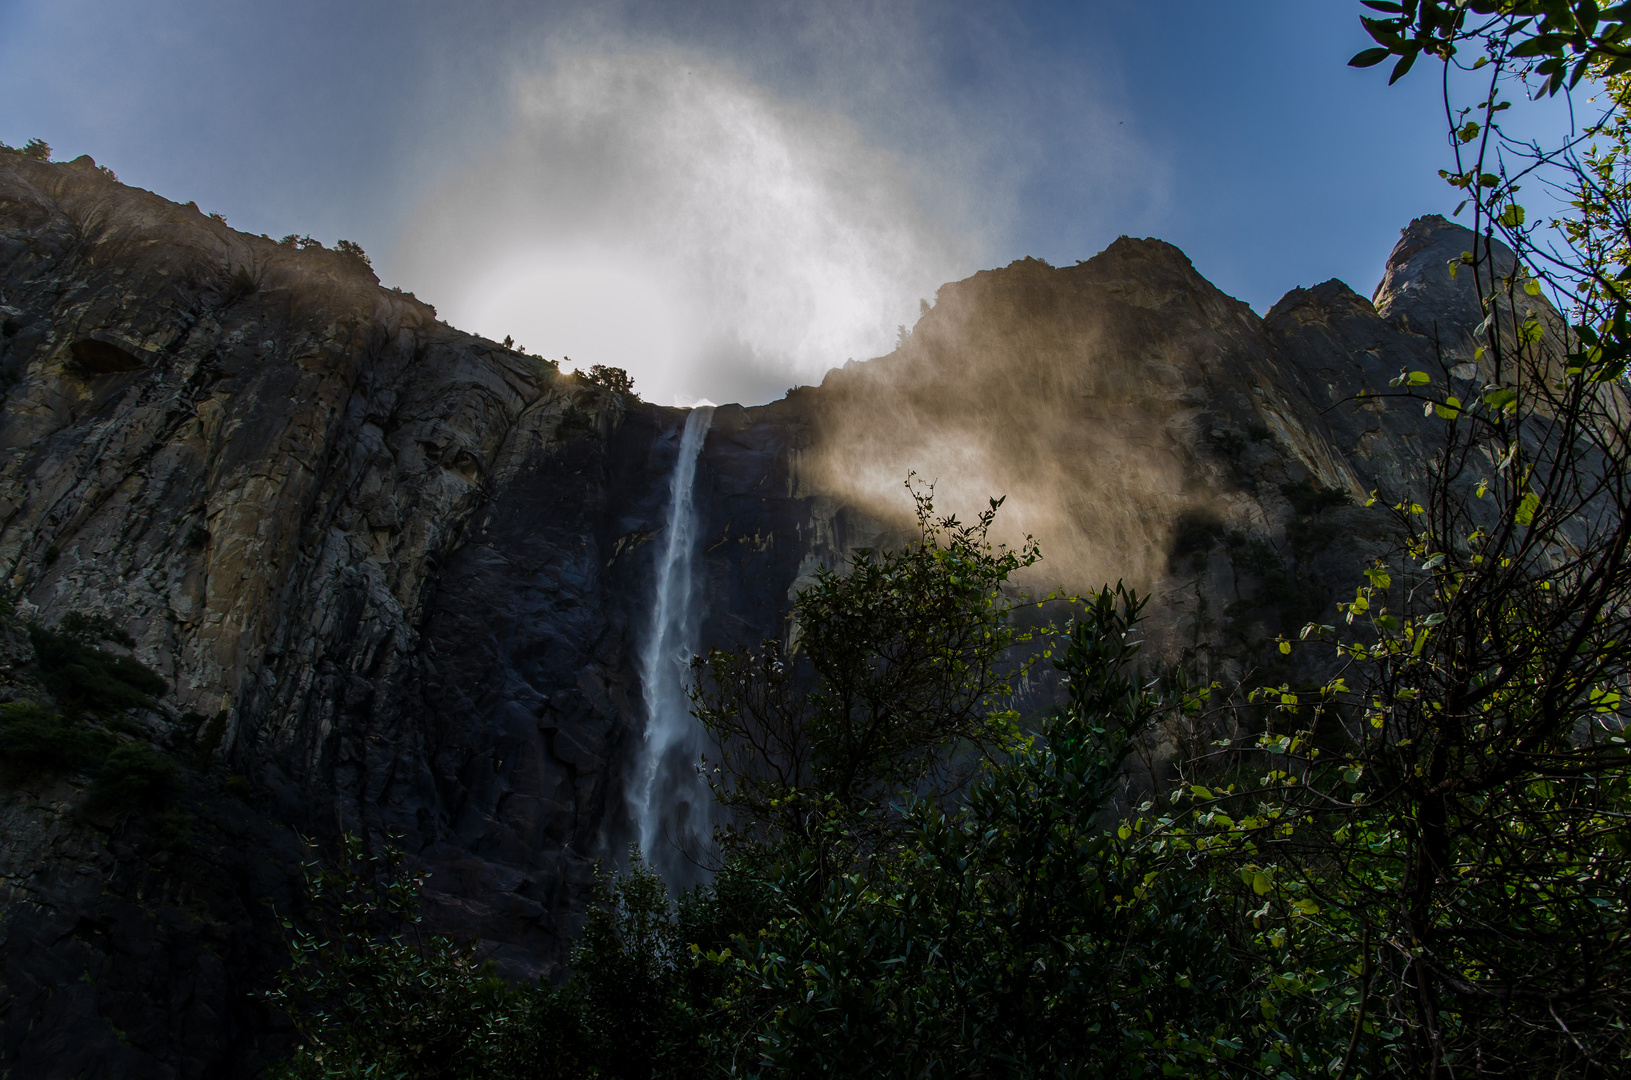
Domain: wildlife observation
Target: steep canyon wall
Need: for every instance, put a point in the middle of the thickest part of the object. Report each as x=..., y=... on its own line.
x=408, y=568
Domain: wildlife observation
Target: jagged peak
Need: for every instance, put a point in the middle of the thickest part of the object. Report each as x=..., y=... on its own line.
x=1328, y=296
x=1418, y=294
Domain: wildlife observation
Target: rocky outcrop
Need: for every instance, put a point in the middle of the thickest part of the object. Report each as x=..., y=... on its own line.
x=267, y=503
x=408, y=568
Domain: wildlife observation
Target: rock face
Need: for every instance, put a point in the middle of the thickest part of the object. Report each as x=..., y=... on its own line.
x=409, y=567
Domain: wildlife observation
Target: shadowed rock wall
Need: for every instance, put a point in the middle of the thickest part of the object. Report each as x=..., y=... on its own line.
x=411, y=566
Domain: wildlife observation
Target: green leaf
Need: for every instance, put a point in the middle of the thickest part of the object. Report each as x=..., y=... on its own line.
x=1512, y=216
x=1419, y=378
x=1369, y=58
x=1541, y=45
x=1525, y=514
x=1383, y=32
x=1404, y=65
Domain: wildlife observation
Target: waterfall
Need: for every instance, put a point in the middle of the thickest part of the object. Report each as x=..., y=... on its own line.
x=668, y=800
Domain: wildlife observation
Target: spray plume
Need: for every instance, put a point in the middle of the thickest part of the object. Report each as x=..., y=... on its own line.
x=660, y=213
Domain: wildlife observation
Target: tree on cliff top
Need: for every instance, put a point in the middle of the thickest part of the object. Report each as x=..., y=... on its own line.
x=38, y=149
x=614, y=379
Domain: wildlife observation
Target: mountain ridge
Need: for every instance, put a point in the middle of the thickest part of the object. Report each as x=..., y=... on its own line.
x=408, y=566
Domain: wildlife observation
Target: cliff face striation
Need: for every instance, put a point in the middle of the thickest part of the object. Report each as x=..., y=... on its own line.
x=395, y=575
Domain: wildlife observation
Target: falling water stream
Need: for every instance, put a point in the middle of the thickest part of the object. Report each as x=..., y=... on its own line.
x=668, y=800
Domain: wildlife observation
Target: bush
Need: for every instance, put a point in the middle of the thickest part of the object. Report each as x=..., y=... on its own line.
x=84, y=678
x=1308, y=498
x=38, y=149
x=353, y=251
x=136, y=777
x=34, y=740
x=614, y=379
x=370, y=998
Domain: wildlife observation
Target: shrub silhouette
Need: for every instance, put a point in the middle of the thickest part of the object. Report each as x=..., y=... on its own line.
x=33, y=740
x=85, y=678
x=136, y=777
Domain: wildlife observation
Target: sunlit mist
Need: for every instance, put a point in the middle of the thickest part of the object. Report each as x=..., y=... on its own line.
x=664, y=215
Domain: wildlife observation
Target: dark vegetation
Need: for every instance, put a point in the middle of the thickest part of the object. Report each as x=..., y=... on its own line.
x=84, y=677
x=35, y=740
x=90, y=732
x=38, y=149
x=576, y=422
x=614, y=379
x=352, y=250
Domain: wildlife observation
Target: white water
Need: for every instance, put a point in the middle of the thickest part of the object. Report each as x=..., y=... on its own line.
x=669, y=801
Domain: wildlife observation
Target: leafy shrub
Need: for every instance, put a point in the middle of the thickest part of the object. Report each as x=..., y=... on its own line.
x=136, y=777
x=1309, y=498
x=367, y=1001
x=38, y=149
x=84, y=678
x=35, y=740
x=614, y=379
x=353, y=250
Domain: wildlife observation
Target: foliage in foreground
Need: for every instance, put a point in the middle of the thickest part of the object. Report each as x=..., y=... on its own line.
x=1020, y=933
x=1247, y=929
x=895, y=684
x=90, y=733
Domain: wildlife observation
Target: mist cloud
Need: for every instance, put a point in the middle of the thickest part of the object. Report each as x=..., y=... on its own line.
x=660, y=212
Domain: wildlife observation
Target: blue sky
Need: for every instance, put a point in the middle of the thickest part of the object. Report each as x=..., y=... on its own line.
x=486, y=152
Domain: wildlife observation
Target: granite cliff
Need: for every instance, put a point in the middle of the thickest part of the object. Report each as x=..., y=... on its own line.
x=394, y=574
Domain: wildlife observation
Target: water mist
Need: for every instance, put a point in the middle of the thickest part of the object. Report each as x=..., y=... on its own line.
x=669, y=800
